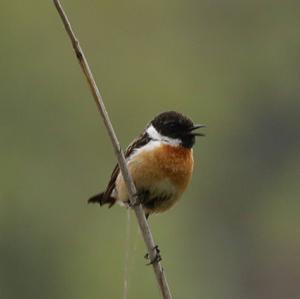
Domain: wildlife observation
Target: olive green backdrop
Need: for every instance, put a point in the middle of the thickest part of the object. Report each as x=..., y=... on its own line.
x=233, y=65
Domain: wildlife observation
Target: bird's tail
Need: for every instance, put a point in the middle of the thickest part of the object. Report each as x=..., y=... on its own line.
x=102, y=199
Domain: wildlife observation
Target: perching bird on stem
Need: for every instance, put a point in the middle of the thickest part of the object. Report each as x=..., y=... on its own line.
x=160, y=161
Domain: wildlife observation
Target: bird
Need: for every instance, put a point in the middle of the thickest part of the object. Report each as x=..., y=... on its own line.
x=160, y=161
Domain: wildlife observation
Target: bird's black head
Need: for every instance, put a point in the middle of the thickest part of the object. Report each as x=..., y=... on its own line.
x=175, y=126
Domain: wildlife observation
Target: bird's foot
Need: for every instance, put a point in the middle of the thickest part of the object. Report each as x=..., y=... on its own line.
x=139, y=198
x=132, y=205
x=157, y=257
x=135, y=203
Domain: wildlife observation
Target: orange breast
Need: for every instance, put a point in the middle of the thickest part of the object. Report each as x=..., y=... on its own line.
x=163, y=167
x=165, y=161
x=176, y=163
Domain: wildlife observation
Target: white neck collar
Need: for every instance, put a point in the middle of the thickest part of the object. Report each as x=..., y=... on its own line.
x=155, y=135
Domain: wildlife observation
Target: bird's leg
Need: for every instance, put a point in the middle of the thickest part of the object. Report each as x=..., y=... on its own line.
x=140, y=196
x=157, y=257
x=136, y=203
x=137, y=197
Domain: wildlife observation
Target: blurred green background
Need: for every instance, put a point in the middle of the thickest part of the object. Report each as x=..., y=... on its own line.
x=233, y=65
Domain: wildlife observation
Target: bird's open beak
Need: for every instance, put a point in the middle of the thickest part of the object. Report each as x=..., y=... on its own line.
x=195, y=127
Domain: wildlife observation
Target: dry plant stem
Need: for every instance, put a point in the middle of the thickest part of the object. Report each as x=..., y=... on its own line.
x=147, y=235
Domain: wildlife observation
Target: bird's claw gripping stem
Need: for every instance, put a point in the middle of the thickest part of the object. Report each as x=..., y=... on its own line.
x=157, y=257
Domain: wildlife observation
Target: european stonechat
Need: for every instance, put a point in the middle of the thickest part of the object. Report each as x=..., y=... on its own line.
x=160, y=161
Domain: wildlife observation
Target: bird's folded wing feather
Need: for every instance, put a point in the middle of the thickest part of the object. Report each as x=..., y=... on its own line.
x=142, y=140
